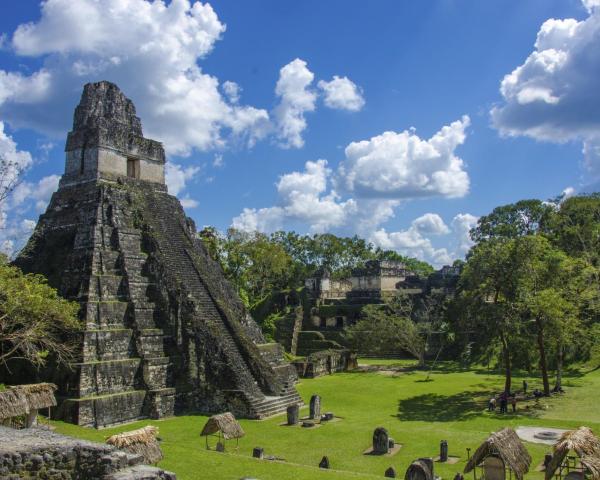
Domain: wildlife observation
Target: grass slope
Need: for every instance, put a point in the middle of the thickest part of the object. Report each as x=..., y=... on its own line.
x=417, y=413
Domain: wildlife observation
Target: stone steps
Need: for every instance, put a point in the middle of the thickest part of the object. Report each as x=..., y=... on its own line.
x=177, y=256
x=149, y=340
x=270, y=406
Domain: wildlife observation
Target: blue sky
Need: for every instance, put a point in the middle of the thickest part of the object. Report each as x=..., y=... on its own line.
x=244, y=94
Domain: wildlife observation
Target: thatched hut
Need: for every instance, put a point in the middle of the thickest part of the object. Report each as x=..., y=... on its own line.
x=586, y=463
x=142, y=441
x=19, y=405
x=502, y=452
x=223, y=426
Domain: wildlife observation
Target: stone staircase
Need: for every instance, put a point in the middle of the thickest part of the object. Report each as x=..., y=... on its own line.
x=178, y=252
x=149, y=336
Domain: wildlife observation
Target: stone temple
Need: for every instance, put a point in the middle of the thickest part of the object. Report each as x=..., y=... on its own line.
x=164, y=331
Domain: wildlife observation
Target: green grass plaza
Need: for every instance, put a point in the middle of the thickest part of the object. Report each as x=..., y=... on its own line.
x=417, y=412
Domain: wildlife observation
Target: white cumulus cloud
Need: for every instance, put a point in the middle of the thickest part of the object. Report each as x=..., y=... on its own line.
x=37, y=194
x=553, y=96
x=24, y=198
x=176, y=176
x=430, y=224
x=461, y=226
x=303, y=197
x=402, y=165
x=150, y=49
x=296, y=98
x=415, y=241
x=341, y=93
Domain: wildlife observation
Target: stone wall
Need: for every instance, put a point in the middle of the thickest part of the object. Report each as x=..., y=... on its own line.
x=326, y=363
x=41, y=454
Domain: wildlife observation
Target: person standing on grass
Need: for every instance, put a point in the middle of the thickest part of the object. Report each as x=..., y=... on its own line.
x=492, y=404
x=513, y=402
x=525, y=385
x=503, y=402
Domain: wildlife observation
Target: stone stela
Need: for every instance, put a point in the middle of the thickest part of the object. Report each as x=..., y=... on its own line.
x=315, y=407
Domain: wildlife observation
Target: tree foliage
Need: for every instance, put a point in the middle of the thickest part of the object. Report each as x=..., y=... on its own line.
x=10, y=173
x=259, y=264
x=385, y=329
x=529, y=292
x=35, y=323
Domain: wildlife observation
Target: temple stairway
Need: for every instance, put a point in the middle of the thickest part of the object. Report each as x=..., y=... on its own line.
x=178, y=251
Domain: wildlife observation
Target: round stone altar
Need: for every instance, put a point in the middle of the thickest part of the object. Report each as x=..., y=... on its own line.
x=548, y=436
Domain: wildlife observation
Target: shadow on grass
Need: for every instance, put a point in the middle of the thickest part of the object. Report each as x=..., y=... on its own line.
x=433, y=407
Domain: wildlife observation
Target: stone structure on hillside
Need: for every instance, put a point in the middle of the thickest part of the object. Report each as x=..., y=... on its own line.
x=36, y=453
x=378, y=281
x=164, y=332
x=372, y=282
x=312, y=322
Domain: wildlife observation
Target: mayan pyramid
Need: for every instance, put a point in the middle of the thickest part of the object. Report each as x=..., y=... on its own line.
x=164, y=330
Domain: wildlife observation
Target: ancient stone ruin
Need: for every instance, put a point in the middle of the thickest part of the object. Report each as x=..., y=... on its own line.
x=164, y=330
x=37, y=453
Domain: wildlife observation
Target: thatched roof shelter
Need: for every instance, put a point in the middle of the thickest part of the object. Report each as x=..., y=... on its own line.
x=506, y=445
x=224, y=424
x=23, y=399
x=585, y=444
x=142, y=442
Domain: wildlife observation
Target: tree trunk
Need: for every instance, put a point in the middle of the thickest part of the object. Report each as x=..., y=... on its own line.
x=543, y=360
x=422, y=359
x=507, y=363
x=559, y=366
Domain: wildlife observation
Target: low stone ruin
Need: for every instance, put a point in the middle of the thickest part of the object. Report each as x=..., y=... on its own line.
x=326, y=362
x=37, y=453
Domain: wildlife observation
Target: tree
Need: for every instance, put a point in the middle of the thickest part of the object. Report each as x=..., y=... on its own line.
x=575, y=229
x=381, y=330
x=487, y=301
x=10, y=173
x=251, y=261
x=35, y=323
x=541, y=292
x=526, y=217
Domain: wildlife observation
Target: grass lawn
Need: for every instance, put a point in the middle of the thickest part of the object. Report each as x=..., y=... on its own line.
x=417, y=413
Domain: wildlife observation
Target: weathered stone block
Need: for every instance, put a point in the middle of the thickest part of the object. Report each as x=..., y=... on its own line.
x=380, y=441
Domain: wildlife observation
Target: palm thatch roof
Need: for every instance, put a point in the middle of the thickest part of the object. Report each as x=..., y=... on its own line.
x=508, y=446
x=22, y=399
x=142, y=442
x=586, y=446
x=224, y=423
